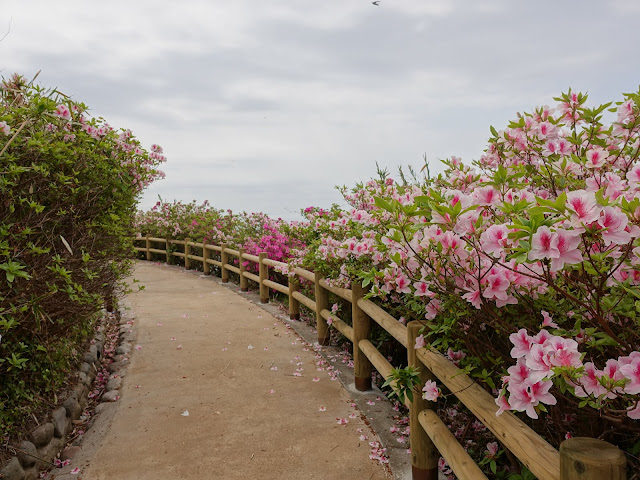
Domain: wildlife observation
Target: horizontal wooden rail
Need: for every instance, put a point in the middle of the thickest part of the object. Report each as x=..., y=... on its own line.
x=233, y=252
x=251, y=258
x=376, y=358
x=217, y=263
x=252, y=276
x=154, y=239
x=155, y=250
x=386, y=321
x=541, y=458
x=341, y=292
x=215, y=248
x=301, y=272
x=197, y=258
x=177, y=242
x=197, y=245
x=277, y=286
x=306, y=301
x=456, y=456
x=140, y=249
x=178, y=254
x=233, y=269
x=343, y=327
x=274, y=263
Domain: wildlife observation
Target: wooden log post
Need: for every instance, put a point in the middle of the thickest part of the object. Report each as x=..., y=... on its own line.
x=294, y=305
x=424, y=455
x=224, y=260
x=263, y=271
x=361, y=328
x=322, y=303
x=206, y=255
x=187, y=252
x=583, y=458
x=244, y=281
x=148, y=246
x=168, y=250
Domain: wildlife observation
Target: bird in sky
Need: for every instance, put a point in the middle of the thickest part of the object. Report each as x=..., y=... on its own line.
x=376, y=3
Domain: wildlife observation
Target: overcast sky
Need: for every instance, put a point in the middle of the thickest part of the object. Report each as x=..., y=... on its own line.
x=267, y=105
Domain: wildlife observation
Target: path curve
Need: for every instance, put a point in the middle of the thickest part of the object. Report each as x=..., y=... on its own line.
x=221, y=370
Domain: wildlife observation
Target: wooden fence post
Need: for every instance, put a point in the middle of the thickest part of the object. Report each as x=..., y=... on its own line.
x=263, y=271
x=224, y=260
x=361, y=328
x=294, y=305
x=322, y=303
x=168, y=249
x=424, y=455
x=244, y=282
x=583, y=458
x=148, y=246
x=187, y=252
x=206, y=255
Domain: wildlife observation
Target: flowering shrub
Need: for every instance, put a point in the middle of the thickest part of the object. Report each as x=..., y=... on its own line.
x=69, y=186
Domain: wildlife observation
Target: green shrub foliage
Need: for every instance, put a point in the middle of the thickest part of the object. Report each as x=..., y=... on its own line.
x=69, y=187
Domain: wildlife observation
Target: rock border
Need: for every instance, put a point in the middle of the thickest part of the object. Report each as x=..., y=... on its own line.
x=54, y=443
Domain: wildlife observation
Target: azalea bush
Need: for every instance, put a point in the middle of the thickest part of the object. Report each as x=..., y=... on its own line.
x=69, y=186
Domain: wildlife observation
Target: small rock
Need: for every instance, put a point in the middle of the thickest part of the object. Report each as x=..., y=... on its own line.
x=49, y=452
x=114, y=384
x=111, y=396
x=28, y=454
x=101, y=407
x=42, y=435
x=85, y=368
x=31, y=474
x=91, y=356
x=99, y=337
x=13, y=470
x=115, y=366
x=123, y=349
x=59, y=419
x=120, y=358
x=100, y=348
x=69, y=452
x=79, y=391
x=73, y=408
x=82, y=377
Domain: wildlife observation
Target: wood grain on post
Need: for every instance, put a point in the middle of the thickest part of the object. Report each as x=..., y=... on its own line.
x=361, y=328
x=294, y=305
x=322, y=303
x=168, y=248
x=244, y=282
x=263, y=271
x=583, y=458
x=187, y=252
x=224, y=259
x=206, y=255
x=148, y=246
x=424, y=455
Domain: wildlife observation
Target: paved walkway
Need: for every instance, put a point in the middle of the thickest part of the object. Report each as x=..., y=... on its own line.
x=234, y=368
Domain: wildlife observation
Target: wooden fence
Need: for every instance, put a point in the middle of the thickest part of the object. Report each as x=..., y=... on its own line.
x=578, y=458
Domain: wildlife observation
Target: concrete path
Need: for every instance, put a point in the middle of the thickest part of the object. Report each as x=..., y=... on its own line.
x=234, y=368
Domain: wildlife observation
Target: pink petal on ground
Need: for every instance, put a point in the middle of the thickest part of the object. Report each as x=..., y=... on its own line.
x=316, y=379
x=75, y=471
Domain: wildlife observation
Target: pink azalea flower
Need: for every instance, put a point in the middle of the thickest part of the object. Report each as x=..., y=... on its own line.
x=5, y=128
x=614, y=222
x=522, y=343
x=596, y=158
x=567, y=242
x=63, y=111
x=498, y=284
x=634, y=411
x=547, y=321
x=402, y=281
x=420, y=342
x=632, y=372
x=431, y=391
x=503, y=404
x=473, y=298
x=544, y=244
x=422, y=289
x=494, y=239
x=342, y=421
x=584, y=207
x=492, y=449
